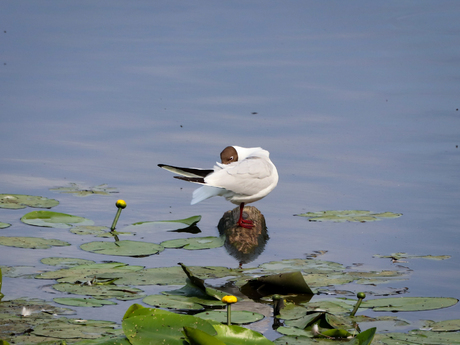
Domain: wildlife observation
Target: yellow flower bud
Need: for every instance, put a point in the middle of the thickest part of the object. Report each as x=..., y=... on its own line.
x=229, y=299
x=121, y=204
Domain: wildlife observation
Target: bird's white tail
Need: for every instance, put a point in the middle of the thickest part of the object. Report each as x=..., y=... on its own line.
x=205, y=192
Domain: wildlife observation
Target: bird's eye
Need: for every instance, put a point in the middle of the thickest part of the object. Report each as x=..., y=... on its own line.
x=231, y=158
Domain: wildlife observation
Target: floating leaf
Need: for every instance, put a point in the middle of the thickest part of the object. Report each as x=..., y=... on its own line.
x=101, y=291
x=18, y=271
x=283, y=284
x=4, y=225
x=194, y=243
x=399, y=256
x=57, y=261
x=163, y=225
x=347, y=216
x=181, y=302
x=74, y=329
x=443, y=326
x=76, y=190
x=16, y=201
x=31, y=242
x=199, y=337
x=393, y=304
x=83, y=273
x=238, y=316
x=239, y=335
x=54, y=219
x=82, y=302
x=123, y=248
x=89, y=230
x=418, y=337
x=156, y=326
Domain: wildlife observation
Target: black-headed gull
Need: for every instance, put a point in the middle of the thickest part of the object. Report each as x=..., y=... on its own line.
x=244, y=175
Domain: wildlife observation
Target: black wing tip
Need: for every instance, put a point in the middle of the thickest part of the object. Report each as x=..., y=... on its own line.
x=191, y=179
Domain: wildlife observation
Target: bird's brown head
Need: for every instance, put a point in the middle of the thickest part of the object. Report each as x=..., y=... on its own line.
x=229, y=155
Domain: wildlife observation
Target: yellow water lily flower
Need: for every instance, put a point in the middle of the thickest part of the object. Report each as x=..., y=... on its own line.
x=121, y=204
x=229, y=299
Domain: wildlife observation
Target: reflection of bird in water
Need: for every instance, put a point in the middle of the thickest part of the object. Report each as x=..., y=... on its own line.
x=244, y=175
x=245, y=245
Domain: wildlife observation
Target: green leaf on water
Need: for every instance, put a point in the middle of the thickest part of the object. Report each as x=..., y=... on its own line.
x=238, y=335
x=195, y=243
x=76, y=190
x=4, y=225
x=17, y=201
x=31, y=242
x=54, y=219
x=89, y=230
x=393, y=304
x=442, y=326
x=82, y=302
x=123, y=293
x=155, y=326
x=348, y=216
x=123, y=248
x=399, y=256
x=59, y=261
x=163, y=225
x=238, y=316
x=70, y=329
x=181, y=302
x=86, y=272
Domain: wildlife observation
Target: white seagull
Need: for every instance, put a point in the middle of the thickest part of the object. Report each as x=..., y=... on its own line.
x=244, y=175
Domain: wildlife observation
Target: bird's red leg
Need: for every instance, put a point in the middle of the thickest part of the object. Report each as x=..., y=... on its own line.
x=244, y=223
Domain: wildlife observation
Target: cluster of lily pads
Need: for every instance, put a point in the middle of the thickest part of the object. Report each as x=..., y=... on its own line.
x=297, y=291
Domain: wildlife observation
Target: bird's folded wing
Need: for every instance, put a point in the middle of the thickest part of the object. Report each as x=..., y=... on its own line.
x=188, y=172
x=247, y=177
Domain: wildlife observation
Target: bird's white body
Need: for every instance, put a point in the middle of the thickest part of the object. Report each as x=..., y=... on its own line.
x=247, y=180
x=252, y=177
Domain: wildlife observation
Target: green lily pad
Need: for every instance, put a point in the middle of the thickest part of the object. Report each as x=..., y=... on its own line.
x=89, y=230
x=153, y=276
x=181, y=302
x=109, y=339
x=163, y=225
x=16, y=201
x=85, y=272
x=18, y=272
x=58, y=261
x=348, y=216
x=123, y=248
x=399, y=256
x=156, y=326
x=282, y=283
x=418, y=337
x=123, y=293
x=238, y=316
x=76, y=190
x=393, y=304
x=238, y=335
x=194, y=243
x=74, y=329
x=82, y=302
x=196, y=336
x=443, y=326
x=31, y=242
x=54, y=219
x=4, y=225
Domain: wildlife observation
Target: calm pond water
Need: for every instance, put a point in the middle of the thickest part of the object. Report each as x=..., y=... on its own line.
x=357, y=103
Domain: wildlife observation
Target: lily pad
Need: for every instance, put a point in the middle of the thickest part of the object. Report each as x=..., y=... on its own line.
x=156, y=326
x=443, y=326
x=181, y=302
x=83, y=273
x=74, y=329
x=394, y=304
x=282, y=283
x=82, y=302
x=123, y=248
x=76, y=190
x=31, y=242
x=348, y=216
x=89, y=230
x=399, y=256
x=123, y=293
x=238, y=316
x=194, y=243
x=58, y=261
x=239, y=335
x=4, y=225
x=54, y=219
x=17, y=201
x=163, y=225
